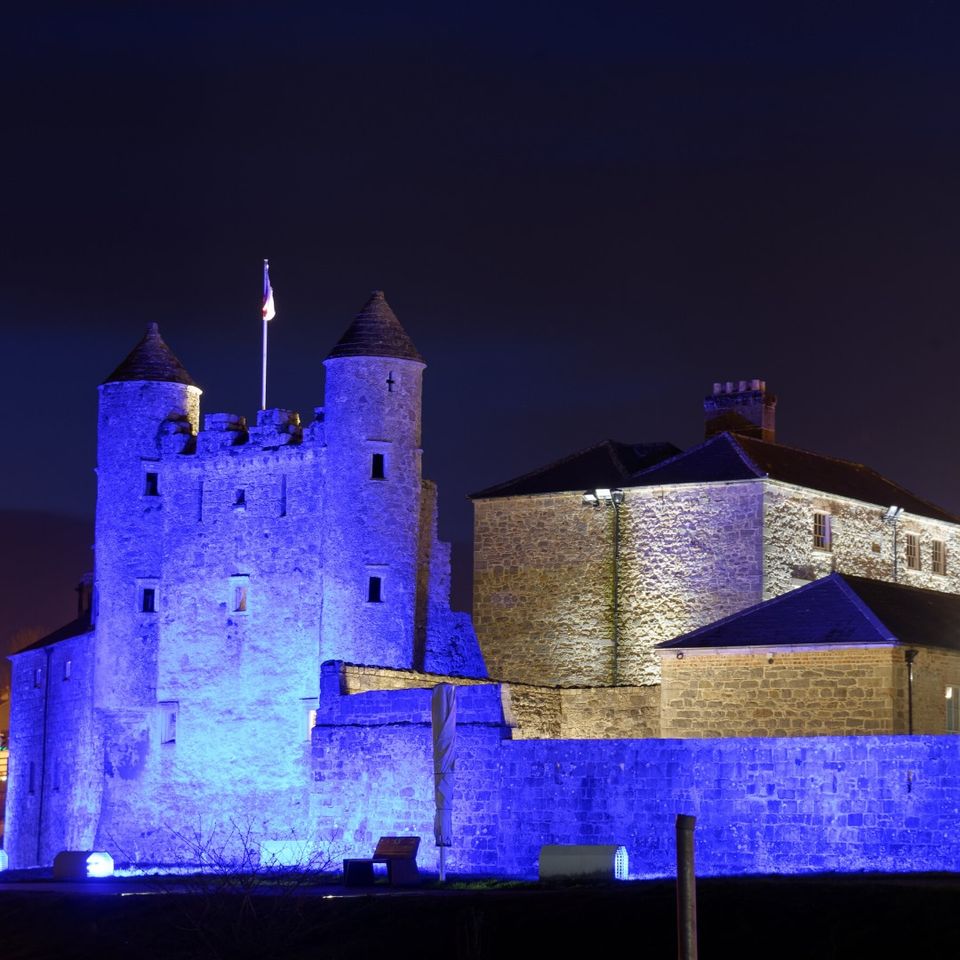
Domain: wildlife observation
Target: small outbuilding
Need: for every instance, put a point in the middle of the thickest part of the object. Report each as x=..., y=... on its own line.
x=841, y=655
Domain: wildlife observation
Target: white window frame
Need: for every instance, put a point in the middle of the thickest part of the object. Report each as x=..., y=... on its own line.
x=938, y=552
x=912, y=548
x=822, y=531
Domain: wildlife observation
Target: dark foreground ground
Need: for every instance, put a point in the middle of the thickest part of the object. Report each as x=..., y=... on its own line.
x=907, y=916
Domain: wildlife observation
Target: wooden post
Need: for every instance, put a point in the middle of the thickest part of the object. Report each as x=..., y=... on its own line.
x=686, y=889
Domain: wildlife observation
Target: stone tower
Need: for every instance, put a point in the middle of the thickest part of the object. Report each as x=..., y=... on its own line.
x=373, y=611
x=148, y=404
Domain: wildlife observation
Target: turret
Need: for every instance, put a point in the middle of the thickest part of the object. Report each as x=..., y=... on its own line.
x=148, y=405
x=372, y=609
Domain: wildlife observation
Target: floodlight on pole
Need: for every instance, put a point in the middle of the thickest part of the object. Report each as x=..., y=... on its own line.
x=892, y=516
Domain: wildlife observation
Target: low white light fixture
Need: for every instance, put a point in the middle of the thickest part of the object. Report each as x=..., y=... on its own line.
x=593, y=498
x=82, y=865
x=893, y=514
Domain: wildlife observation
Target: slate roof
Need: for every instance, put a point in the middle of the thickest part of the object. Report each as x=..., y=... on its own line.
x=839, y=610
x=74, y=628
x=605, y=464
x=729, y=457
x=376, y=332
x=151, y=359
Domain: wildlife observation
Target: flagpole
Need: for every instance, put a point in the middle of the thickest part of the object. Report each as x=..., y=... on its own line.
x=263, y=390
x=269, y=311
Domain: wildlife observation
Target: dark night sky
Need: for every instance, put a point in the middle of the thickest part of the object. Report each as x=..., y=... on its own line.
x=582, y=214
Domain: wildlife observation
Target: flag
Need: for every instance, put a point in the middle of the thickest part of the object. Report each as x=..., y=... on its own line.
x=269, y=310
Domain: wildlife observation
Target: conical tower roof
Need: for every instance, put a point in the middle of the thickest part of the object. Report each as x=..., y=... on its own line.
x=376, y=332
x=151, y=359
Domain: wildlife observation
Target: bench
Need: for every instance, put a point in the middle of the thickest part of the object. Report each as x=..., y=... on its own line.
x=398, y=853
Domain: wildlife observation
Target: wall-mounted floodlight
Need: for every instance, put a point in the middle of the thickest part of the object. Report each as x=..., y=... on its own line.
x=590, y=499
x=893, y=514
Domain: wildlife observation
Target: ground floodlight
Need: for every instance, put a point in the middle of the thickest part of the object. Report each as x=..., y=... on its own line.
x=82, y=865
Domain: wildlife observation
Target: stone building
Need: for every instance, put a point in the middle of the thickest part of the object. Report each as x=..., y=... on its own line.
x=577, y=589
x=231, y=561
x=842, y=655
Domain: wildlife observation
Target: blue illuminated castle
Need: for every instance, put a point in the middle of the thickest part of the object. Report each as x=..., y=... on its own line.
x=231, y=561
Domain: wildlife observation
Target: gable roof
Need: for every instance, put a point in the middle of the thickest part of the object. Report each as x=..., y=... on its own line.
x=608, y=463
x=74, y=628
x=728, y=457
x=838, y=610
x=151, y=359
x=376, y=332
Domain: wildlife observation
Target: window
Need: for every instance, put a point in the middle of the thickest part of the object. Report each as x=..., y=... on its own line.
x=150, y=485
x=822, y=539
x=374, y=590
x=38, y=678
x=940, y=557
x=240, y=498
x=148, y=600
x=168, y=721
x=240, y=598
x=913, y=551
x=67, y=669
x=953, y=709
x=376, y=468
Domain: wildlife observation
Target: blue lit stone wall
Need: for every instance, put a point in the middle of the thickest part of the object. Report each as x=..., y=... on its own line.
x=839, y=804
x=53, y=729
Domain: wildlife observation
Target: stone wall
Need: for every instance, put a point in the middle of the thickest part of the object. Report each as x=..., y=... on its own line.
x=775, y=693
x=56, y=760
x=763, y=805
x=795, y=692
x=861, y=542
x=543, y=578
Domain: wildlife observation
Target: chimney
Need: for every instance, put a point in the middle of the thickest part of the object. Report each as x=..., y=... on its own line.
x=742, y=407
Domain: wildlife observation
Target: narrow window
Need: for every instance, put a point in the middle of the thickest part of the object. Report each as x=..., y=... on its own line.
x=240, y=598
x=149, y=600
x=56, y=776
x=168, y=721
x=940, y=557
x=953, y=709
x=37, y=677
x=913, y=551
x=200, y=502
x=240, y=500
x=390, y=382
x=374, y=590
x=67, y=669
x=376, y=468
x=822, y=539
x=151, y=487
x=283, y=496
x=31, y=779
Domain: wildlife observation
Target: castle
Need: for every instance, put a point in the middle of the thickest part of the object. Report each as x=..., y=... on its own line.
x=230, y=563
x=270, y=609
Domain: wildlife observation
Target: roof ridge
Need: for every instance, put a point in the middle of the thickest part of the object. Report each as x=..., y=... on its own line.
x=864, y=608
x=862, y=466
x=703, y=444
x=538, y=470
x=734, y=441
x=762, y=605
